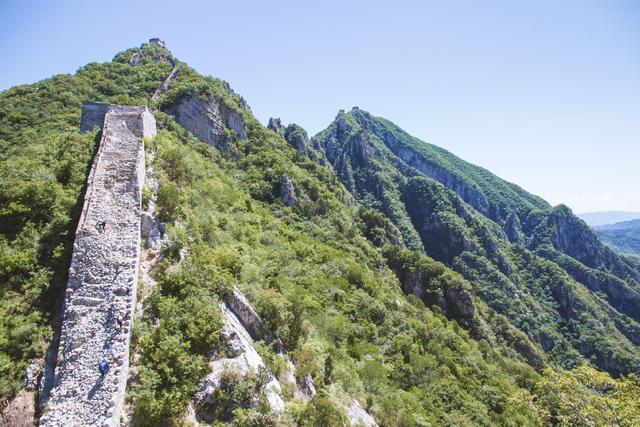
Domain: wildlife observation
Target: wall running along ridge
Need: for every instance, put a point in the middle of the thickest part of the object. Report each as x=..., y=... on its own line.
x=103, y=274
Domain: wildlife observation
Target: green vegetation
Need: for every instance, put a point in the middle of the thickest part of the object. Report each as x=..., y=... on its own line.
x=582, y=397
x=410, y=300
x=318, y=286
x=43, y=167
x=540, y=268
x=624, y=236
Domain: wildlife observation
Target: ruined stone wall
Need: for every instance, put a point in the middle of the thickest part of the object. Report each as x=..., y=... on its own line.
x=93, y=113
x=103, y=275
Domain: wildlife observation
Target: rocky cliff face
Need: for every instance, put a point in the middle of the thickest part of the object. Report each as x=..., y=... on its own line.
x=468, y=192
x=467, y=218
x=241, y=359
x=209, y=119
x=574, y=238
x=298, y=138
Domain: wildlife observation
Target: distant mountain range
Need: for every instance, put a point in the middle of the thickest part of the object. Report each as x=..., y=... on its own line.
x=596, y=219
x=623, y=236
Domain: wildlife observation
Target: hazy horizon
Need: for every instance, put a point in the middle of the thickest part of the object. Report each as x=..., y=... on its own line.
x=544, y=95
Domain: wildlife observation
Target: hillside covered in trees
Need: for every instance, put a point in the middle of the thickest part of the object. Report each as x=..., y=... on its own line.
x=385, y=269
x=622, y=236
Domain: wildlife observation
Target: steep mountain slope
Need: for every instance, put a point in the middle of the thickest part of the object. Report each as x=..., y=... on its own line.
x=351, y=304
x=541, y=267
x=622, y=236
x=45, y=161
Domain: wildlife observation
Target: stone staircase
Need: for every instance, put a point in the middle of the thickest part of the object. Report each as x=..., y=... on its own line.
x=103, y=276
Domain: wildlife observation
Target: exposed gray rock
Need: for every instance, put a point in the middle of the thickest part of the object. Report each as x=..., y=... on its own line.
x=275, y=124
x=210, y=119
x=358, y=416
x=297, y=137
x=513, y=229
x=287, y=191
x=576, y=239
x=241, y=307
x=573, y=237
x=244, y=359
x=469, y=193
x=135, y=59
x=307, y=386
x=103, y=275
x=152, y=230
x=303, y=390
x=459, y=302
x=156, y=41
x=31, y=376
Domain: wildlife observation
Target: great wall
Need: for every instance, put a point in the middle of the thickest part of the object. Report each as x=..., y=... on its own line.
x=103, y=275
x=100, y=299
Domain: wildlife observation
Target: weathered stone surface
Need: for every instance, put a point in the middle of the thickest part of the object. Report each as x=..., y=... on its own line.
x=156, y=41
x=599, y=268
x=288, y=191
x=103, y=275
x=303, y=390
x=468, y=192
x=152, y=230
x=31, y=376
x=245, y=359
x=241, y=307
x=19, y=411
x=358, y=416
x=93, y=114
x=209, y=119
x=297, y=137
x=275, y=124
x=135, y=59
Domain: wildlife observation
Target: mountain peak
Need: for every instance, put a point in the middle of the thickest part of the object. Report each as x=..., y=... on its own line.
x=153, y=51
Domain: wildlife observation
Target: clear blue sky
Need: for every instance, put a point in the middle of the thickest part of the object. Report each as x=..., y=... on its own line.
x=544, y=93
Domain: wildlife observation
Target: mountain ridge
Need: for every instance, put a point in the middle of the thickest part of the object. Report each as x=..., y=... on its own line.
x=621, y=236
x=385, y=271
x=508, y=214
x=607, y=217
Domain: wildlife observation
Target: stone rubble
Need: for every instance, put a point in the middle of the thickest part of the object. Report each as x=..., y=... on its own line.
x=103, y=275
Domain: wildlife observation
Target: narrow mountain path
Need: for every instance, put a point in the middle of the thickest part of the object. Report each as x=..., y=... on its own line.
x=166, y=83
x=103, y=277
